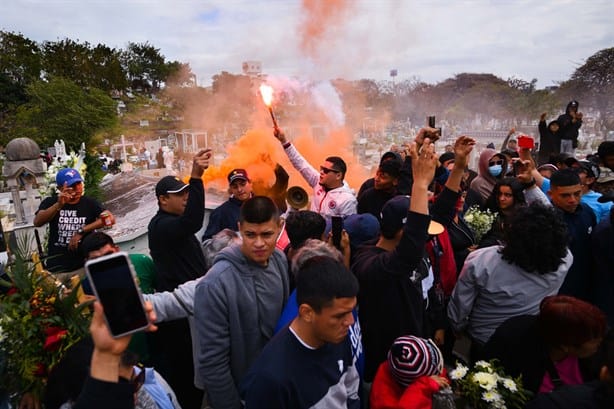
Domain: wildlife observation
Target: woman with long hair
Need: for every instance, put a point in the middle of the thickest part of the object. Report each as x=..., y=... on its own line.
x=507, y=196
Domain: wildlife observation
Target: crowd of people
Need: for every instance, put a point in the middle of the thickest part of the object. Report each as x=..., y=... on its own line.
x=266, y=310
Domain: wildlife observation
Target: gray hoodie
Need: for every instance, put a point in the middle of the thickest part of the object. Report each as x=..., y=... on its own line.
x=236, y=307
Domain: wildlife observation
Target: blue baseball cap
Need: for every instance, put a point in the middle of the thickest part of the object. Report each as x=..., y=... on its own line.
x=68, y=176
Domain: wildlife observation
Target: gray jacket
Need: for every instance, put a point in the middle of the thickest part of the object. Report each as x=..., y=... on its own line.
x=490, y=290
x=177, y=304
x=236, y=307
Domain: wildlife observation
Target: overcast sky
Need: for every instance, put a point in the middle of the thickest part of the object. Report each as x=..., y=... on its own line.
x=431, y=40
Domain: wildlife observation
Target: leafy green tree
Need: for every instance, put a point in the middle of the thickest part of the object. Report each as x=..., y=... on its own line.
x=145, y=65
x=180, y=74
x=105, y=68
x=20, y=64
x=20, y=58
x=93, y=177
x=60, y=109
x=68, y=59
x=593, y=84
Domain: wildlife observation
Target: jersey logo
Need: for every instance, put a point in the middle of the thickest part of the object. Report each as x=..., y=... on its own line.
x=340, y=363
x=332, y=204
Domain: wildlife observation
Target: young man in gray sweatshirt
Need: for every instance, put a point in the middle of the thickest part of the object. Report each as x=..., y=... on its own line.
x=238, y=303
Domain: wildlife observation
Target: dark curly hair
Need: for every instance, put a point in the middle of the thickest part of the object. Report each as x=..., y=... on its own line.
x=536, y=239
x=517, y=192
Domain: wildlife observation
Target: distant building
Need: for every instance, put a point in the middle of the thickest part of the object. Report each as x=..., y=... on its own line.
x=252, y=68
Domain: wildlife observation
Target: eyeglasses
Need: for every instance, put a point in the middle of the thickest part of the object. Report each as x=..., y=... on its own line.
x=496, y=162
x=326, y=171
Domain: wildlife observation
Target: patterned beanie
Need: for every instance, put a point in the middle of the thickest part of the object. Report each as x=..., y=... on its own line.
x=411, y=357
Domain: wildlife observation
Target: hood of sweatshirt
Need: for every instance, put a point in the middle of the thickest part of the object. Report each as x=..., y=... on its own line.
x=573, y=103
x=485, y=157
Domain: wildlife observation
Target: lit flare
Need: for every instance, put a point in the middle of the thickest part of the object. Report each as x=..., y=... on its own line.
x=267, y=94
x=267, y=97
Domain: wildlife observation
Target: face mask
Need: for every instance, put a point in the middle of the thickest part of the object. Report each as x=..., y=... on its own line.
x=495, y=170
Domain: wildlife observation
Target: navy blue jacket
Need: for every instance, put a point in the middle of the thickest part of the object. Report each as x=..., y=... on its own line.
x=579, y=282
x=225, y=216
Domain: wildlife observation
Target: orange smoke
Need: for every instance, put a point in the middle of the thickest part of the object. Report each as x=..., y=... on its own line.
x=320, y=16
x=257, y=151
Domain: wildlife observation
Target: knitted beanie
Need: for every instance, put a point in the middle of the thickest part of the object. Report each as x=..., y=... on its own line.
x=411, y=357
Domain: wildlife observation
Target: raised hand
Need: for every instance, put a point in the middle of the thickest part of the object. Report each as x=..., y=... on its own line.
x=462, y=149
x=201, y=162
x=281, y=137
x=424, y=161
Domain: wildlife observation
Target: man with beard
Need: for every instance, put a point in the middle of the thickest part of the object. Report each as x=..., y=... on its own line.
x=331, y=194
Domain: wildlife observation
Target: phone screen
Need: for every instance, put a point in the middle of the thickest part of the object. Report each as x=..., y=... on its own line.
x=337, y=227
x=114, y=284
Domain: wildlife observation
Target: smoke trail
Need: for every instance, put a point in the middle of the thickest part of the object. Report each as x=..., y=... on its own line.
x=320, y=17
x=325, y=96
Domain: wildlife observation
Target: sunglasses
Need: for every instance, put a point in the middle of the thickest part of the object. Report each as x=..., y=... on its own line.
x=497, y=162
x=326, y=171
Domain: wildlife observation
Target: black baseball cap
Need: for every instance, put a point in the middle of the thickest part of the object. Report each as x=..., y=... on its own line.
x=169, y=184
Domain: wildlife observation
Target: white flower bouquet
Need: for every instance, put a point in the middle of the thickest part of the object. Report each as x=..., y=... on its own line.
x=485, y=386
x=480, y=221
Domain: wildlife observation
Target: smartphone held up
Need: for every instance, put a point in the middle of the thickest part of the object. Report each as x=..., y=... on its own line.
x=114, y=283
x=433, y=136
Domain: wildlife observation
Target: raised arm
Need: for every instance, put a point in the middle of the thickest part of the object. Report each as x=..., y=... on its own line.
x=308, y=172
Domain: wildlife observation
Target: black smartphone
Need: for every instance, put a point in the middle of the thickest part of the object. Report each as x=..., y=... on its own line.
x=113, y=280
x=431, y=123
x=337, y=227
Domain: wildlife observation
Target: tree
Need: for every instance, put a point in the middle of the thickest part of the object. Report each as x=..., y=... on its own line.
x=145, y=66
x=593, y=83
x=68, y=59
x=20, y=64
x=180, y=74
x=87, y=66
x=60, y=109
x=20, y=58
x=105, y=68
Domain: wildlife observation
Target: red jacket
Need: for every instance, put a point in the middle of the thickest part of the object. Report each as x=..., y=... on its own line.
x=386, y=393
x=447, y=264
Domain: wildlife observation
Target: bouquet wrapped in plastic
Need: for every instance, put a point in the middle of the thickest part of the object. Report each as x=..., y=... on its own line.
x=480, y=221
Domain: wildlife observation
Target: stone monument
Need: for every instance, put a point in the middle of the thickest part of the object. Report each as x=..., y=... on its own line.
x=23, y=169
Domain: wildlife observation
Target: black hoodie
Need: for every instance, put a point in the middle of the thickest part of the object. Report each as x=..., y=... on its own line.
x=568, y=128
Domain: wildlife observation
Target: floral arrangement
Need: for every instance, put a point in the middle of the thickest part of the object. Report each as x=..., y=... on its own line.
x=73, y=160
x=485, y=386
x=479, y=221
x=38, y=323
